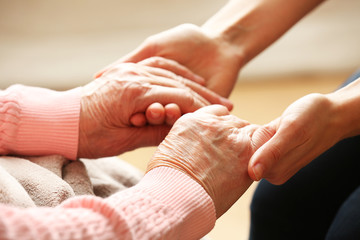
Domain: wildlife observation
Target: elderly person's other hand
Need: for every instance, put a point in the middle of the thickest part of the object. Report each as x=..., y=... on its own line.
x=214, y=59
x=109, y=102
x=307, y=128
x=213, y=148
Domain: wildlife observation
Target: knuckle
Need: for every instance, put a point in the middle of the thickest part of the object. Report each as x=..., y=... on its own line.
x=124, y=69
x=275, y=154
x=158, y=59
x=191, y=99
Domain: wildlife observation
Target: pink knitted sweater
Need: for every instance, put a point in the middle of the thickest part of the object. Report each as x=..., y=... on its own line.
x=166, y=204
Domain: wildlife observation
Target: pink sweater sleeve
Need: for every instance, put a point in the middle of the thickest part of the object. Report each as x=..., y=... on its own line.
x=38, y=121
x=166, y=204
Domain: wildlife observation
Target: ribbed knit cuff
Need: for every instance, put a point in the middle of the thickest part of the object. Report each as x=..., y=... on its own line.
x=169, y=203
x=41, y=121
x=186, y=197
x=166, y=204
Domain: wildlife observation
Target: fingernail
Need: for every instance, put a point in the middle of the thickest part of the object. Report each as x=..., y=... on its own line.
x=155, y=114
x=258, y=170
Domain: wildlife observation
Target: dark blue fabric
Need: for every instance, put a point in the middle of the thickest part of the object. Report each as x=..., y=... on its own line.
x=346, y=224
x=321, y=201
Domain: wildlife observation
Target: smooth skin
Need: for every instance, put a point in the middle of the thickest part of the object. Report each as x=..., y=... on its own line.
x=306, y=129
x=226, y=42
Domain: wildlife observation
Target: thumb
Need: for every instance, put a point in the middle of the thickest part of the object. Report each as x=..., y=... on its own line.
x=270, y=153
x=140, y=53
x=262, y=160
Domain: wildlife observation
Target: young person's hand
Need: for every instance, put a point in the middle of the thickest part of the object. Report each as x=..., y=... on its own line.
x=212, y=58
x=307, y=128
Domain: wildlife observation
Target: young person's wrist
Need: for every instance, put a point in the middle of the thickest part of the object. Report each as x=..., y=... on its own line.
x=346, y=102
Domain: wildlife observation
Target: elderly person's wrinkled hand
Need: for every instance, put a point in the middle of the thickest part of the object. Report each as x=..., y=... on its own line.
x=109, y=103
x=213, y=148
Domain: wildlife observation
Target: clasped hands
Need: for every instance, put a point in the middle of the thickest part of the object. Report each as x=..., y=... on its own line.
x=223, y=153
x=113, y=105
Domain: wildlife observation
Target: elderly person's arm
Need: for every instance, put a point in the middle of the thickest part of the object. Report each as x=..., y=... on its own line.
x=166, y=204
x=94, y=120
x=37, y=121
x=194, y=177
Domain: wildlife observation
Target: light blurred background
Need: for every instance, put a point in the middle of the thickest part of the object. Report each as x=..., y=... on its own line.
x=61, y=44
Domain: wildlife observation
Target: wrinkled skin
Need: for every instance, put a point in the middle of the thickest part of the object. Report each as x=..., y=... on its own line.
x=213, y=148
x=109, y=103
x=212, y=58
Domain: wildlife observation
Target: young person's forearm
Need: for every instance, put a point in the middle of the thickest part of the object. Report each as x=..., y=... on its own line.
x=346, y=102
x=252, y=25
